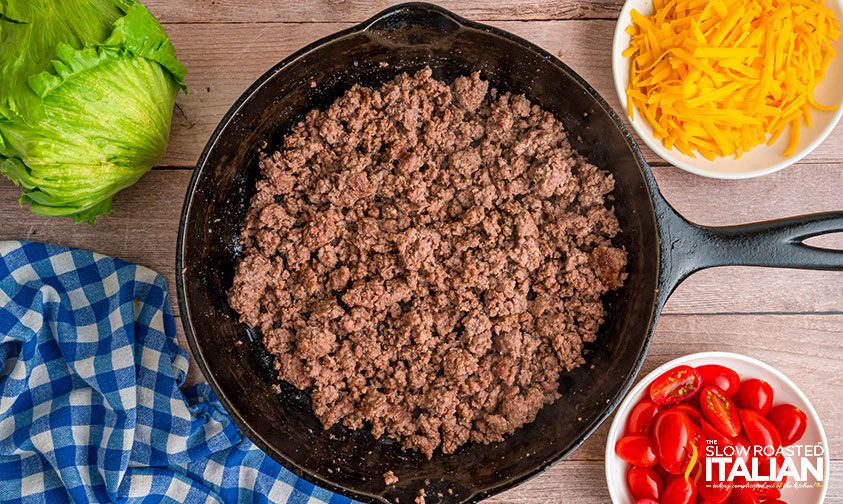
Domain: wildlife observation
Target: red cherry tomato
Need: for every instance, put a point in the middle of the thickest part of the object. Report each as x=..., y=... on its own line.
x=742, y=442
x=641, y=417
x=756, y=395
x=761, y=432
x=646, y=501
x=718, y=409
x=677, y=384
x=714, y=491
x=644, y=482
x=671, y=434
x=679, y=491
x=666, y=476
x=743, y=448
x=770, y=489
x=694, y=414
x=636, y=450
x=721, y=377
x=790, y=421
x=744, y=496
x=697, y=439
x=714, y=435
x=764, y=490
x=698, y=469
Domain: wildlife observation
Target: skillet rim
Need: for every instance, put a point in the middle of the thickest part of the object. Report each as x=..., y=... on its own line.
x=657, y=205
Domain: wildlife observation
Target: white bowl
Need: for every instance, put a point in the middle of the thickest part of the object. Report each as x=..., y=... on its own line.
x=763, y=159
x=785, y=391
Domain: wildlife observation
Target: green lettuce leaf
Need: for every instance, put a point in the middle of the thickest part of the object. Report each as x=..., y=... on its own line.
x=96, y=121
x=141, y=34
x=30, y=30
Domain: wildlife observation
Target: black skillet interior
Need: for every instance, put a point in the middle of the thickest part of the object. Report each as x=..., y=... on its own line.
x=405, y=39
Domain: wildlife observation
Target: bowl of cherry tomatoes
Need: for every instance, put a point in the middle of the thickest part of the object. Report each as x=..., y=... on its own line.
x=716, y=428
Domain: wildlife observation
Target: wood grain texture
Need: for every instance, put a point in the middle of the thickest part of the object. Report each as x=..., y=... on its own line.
x=144, y=226
x=568, y=482
x=223, y=60
x=572, y=482
x=331, y=11
x=142, y=229
x=804, y=347
x=790, y=319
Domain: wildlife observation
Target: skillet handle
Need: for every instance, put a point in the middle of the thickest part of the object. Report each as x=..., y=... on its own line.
x=688, y=247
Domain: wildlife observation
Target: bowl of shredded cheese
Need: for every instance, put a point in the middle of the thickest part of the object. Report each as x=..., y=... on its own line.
x=730, y=88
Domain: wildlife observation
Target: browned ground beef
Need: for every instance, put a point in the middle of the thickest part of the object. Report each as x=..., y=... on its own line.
x=429, y=258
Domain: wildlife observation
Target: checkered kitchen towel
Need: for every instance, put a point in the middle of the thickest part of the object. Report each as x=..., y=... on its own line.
x=90, y=405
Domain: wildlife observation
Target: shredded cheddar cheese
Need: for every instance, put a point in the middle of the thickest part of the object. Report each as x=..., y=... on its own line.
x=719, y=77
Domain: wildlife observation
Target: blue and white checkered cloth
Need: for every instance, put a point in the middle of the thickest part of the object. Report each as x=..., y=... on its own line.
x=90, y=405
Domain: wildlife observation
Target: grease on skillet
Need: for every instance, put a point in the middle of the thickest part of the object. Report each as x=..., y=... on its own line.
x=426, y=259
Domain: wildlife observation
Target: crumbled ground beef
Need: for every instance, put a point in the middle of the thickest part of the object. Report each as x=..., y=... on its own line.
x=428, y=258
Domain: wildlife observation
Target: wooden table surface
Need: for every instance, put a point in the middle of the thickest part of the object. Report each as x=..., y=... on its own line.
x=791, y=319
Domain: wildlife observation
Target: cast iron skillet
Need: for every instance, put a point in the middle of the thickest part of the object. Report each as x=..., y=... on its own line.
x=664, y=248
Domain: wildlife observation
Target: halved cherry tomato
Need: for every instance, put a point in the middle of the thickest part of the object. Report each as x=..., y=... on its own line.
x=756, y=395
x=715, y=491
x=641, y=417
x=744, y=496
x=718, y=409
x=715, y=440
x=694, y=414
x=790, y=421
x=677, y=384
x=644, y=482
x=721, y=377
x=761, y=432
x=636, y=450
x=679, y=491
x=716, y=436
x=646, y=501
x=671, y=433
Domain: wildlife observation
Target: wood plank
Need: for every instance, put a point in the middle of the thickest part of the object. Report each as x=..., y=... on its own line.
x=332, y=11
x=805, y=348
x=798, y=190
x=569, y=482
x=223, y=60
x=584, y=483
x=144, y=226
